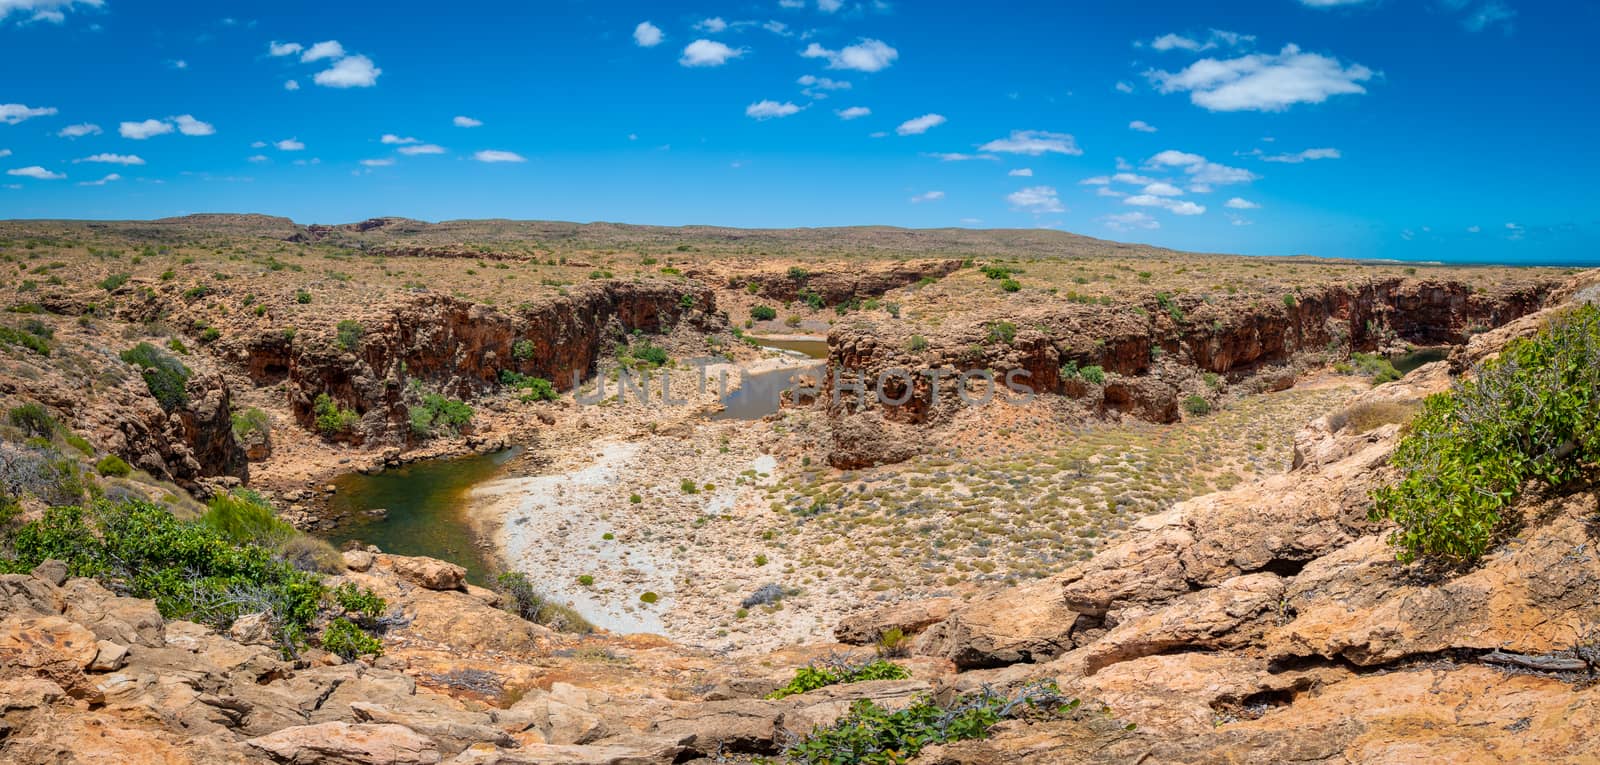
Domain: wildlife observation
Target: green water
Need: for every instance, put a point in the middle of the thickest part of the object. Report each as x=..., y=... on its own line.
x=1406, y=362
x=816, y=349
x=427, y=505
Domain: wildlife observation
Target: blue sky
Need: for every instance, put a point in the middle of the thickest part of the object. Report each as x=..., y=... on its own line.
x=1414, y=129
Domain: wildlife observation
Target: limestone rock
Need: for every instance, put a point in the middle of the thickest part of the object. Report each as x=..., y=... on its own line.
x=431, y=573
x=338, y=743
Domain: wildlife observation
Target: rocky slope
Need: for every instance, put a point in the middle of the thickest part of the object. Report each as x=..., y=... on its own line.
x=1154, y=355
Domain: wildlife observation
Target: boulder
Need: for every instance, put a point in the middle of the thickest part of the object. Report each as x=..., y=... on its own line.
x=431, y=573
x=339, y=743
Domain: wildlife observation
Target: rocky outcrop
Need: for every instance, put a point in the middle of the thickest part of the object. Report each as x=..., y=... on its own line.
x=1153, y=355
x=459, y=348
x=834, y=283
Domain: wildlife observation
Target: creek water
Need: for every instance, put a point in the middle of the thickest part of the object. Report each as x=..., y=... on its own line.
x=426, y=504
x=758, y=395
x=1405, y=362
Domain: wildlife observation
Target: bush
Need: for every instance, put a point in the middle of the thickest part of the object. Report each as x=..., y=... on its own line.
x=1371, y=415
x=250, y=422
x=833, y=672
x=302, y=297
x=1010, y=285
x=536, y=388
x=360, y=603
x=1001, y=331
x=1377, y=368
x=344, y=638
x=763, y=313
x=1093, y=374
x=649, y=355
x=331, y=418
x=917, y=343
x=1171, y=306
x=33, y=419
x=244, y=517
x=997, y=272
x=1197, y=405
x=522, y=599
x=348, y=334
x=112, y=465
x=1532, y=417
x=165, y=377
x=522, y=350
x=112, y=282
x=872, y=735
x=648, y=597
x=437, y=413
x=189, y=569
x=32, y=342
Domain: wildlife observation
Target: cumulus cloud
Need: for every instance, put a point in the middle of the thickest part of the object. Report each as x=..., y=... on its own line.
x=869, y=55
x=80, y=130
x=1200, y=170
x=929, y=196
x=1021, y=172
x=1034, y=143
x=956, y=156
x=491, y=155
x=36, y=172
x=920, y=125
x=1239, y=203
x=349, y=72
x=188, y=125
x=1141, y=126
x=424, y=148
x=708, y=53
x=1163, y=189
x=1036, y=199
x=114, y=159
x=385, y=162
x=1217, y=38
x=12, y=114
x=44, y=10
x=1131, y=221
x=854, y=112
x=647, y=35
x=291, y=85
x=276, y=48
x=256, y=158
x=322, y=50
x=1175, y=206
x=713, y=25
x=467, y=122
x=102, y=181
x=1123, y=87
x=767, y=109
x=817, y=87
x=290, y=144
x=394, y=140
x=1263, y=82
x=139, y=131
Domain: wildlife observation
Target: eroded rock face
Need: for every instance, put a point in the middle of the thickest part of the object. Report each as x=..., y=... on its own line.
x=834, y=283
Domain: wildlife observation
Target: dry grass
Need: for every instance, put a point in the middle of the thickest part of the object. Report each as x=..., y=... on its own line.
x=1371, y=415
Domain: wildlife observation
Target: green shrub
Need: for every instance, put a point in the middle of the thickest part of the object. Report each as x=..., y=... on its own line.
x=1531, y=417
x=649, y=597
x=917, y=343
x=535, y=388
x=348, y=334
x=1171, y=306
x=826, y=672
x=648, y=355
x=32, y=342
x=438, y=413
x=112, y=465
x=302, y=297
x=1001, y=331
x=1378, y=369
x=343, y=638
x=331, y=418
x=1094, y=374
x=522, y=350
x=361, y=603
x=1288, y=300
x=763, y=313
x=997, y=272
x=250, y=422
x=522, y=599
x=244, y=517
x=165, y=377
x=688, y=486
x=1197, y=405
x=33, y=419
x=1010, y=285
x=189, y=569
x=112, y=282
x=586, y=580
x=872, y=735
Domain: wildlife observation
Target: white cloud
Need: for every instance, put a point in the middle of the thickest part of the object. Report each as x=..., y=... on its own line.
x=767, y=109
x=349, y=72
x=792, y=4
x=425, y=148
x=713, y=25
x=1263, y=82
x=1021, y=172
x=1200, y=170
x=1141, y=126
x=1216, y=39
x=491, y=155
x=920, y=125
x=647, y=35
x=1034, y=143
x=80, y=130
x=44, y=10
x=778, y=28
x=815, y=86
x=829, y=6
x=114, y=159
x=1130, y=221
x=385, y=162
x=276, y=48
x=869, y=55
x=930, y=196
x=1238, y=203
x=36, y=172
x=394, y=140
x=188, y=125
x=322, y=50
x=1474, y=229
x=708, y=53
x=1132, y=179
x=1170, y=42
x=1036, y=199
x=1163, y=189
x=1123, y=87
x=289, y=144
x=102, y=181
x=854, y=112
x=256, y=158
x=956, y=156
x=139, y=131
x=1295, y=159
x=291, y=85
x=5, y=153
x=467, y=122
x=12, y=114
x=1098, y=180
